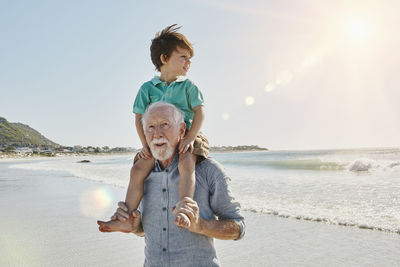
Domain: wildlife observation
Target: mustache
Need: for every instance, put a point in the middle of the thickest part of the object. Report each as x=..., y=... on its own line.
x=159, y=141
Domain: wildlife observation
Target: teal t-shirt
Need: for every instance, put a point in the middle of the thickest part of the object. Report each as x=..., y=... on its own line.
x=183, y=93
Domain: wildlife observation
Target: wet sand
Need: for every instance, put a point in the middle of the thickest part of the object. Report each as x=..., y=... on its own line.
x=44, y=222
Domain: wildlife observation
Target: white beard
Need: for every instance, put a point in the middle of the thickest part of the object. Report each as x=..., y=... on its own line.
x=161, y=153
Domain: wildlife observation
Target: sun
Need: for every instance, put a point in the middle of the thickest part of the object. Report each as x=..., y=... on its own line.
x=358, y=30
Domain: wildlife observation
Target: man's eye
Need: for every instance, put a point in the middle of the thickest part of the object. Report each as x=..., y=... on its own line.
x=151, y=127
x=164, y=125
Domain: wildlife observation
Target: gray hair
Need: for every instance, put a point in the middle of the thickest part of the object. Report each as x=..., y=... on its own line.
x=178, y=115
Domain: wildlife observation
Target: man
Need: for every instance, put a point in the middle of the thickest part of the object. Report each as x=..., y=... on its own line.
x=213, y=212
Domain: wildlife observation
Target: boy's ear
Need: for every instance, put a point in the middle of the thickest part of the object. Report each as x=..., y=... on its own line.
x=163, y=58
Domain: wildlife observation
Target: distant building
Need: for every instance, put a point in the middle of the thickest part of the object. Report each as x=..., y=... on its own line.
x=23, y=150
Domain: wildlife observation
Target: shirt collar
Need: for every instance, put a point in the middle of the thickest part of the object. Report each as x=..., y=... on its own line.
x=156, y=80
x=172, y=165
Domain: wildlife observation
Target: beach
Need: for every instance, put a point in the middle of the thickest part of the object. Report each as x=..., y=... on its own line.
x=49, y=219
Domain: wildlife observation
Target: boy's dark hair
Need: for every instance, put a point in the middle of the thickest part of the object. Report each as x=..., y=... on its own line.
x=166, y=42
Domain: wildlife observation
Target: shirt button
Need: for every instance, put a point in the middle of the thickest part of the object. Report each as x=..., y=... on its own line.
x=164, y=209
x=166, y=170
x=164, y=190
x=164, y=249
x=164, y=229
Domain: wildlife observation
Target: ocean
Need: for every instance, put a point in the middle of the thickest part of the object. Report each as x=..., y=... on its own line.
x=352, y=187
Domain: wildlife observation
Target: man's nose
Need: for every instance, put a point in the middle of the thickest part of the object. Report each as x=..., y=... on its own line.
x=157, y=131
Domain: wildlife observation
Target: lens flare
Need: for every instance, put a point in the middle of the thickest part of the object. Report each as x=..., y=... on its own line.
x=249, y=100
x=269, y=87
x=96, y=202
x=309, y=62
x=225, y=116
x=284, y=77
x=357, y=30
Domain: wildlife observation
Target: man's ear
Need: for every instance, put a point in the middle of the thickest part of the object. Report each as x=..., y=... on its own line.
x=182, y=130
x=164, y=59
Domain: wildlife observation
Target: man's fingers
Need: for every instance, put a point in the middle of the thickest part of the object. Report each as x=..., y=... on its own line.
x=189, y=200
x=122, y=213
x=191, y=206
x=135, y=214
x=121, y=218
x=188, y=212
x=122, y=205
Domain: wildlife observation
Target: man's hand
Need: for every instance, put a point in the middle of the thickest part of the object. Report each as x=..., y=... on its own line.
x=145, y=153
x=191, y=209
x=186, y=144
x=131, y=223
x=222, y=229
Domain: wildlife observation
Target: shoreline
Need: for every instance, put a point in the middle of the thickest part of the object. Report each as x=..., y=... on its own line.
x=326, y=222
x=280, y=241
x=12, y=157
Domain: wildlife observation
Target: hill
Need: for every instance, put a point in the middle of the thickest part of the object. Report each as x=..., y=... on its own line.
x=20, y=135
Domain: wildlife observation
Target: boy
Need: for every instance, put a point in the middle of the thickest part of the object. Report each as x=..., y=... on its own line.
x=170, y=53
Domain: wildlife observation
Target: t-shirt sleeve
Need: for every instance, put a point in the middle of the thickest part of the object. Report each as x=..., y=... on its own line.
x=142, y=101
x=195, y=97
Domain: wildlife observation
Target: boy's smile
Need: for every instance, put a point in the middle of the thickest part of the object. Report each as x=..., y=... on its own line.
x=177, y=64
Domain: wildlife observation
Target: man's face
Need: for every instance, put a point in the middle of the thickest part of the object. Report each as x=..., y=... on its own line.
x=178, y=62
x=162, y=133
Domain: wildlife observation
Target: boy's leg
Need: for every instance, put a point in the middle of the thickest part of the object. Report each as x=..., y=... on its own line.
x=187, y=184
x=134, y=194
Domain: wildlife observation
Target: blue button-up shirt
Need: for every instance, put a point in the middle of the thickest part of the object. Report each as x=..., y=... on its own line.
x=168, y=245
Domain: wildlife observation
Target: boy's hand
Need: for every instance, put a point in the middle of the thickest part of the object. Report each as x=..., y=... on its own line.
x=145, y=153
x=186, y=144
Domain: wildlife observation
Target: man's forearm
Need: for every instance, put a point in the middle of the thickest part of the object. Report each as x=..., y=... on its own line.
x=221, y=229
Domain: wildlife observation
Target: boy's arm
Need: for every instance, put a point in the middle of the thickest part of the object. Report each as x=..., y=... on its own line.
x=198, y=120
x=145, y=153
x=187, y=142
x=139, y=128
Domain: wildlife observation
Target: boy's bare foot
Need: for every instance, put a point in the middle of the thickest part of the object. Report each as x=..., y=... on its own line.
x=182, y=220
x=115, y=226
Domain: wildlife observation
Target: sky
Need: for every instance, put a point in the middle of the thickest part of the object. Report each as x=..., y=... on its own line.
x=286, y=75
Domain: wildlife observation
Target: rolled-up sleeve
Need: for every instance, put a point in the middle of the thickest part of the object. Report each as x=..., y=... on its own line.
x=223, y=202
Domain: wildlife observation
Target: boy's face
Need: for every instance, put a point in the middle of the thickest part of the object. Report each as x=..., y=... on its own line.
x=178, y=62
